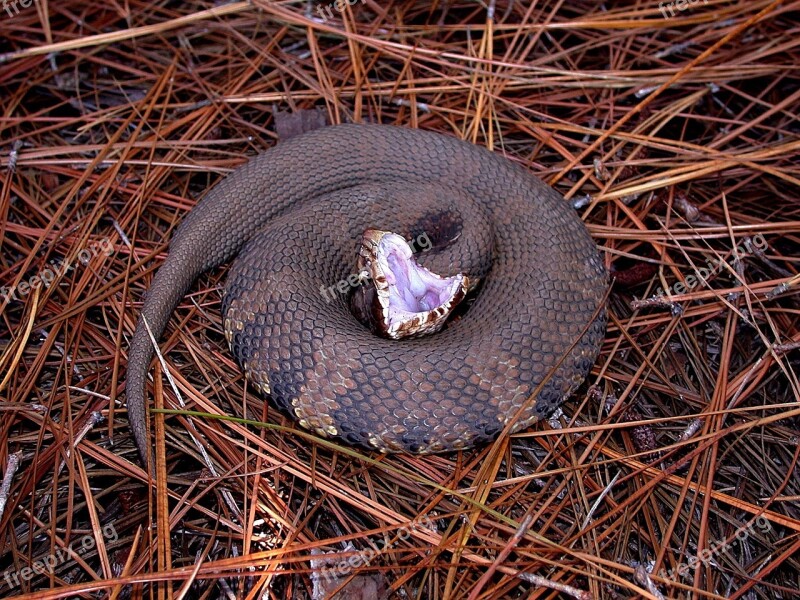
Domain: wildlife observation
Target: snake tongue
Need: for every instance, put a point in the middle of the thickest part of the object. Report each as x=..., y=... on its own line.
x=405, y=299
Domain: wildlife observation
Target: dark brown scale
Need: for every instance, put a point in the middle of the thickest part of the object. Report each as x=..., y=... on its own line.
x=294, y=215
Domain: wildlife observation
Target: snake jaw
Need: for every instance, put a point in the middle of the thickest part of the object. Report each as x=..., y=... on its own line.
x=405, y=299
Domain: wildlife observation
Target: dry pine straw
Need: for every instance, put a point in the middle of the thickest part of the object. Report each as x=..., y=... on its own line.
x=673, y=471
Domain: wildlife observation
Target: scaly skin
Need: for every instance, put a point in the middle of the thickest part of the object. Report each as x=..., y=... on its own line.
x=294, y=214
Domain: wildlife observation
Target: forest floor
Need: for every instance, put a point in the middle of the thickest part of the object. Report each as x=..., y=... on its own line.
x=671, y=127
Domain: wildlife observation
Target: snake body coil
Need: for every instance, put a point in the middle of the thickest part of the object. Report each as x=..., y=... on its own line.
x=294, y=215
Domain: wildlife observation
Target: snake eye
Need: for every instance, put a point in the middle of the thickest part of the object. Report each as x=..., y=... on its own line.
x=407, y=299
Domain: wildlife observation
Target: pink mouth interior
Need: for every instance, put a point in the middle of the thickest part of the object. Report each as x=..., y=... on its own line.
x=413, y=289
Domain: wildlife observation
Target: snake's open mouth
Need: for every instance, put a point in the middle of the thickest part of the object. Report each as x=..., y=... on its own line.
x=404, y=298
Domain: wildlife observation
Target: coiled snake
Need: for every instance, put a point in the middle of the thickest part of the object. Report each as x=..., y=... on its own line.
x=295, y=216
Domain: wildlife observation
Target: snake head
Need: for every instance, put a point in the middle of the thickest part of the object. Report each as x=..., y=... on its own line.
x=401, y=298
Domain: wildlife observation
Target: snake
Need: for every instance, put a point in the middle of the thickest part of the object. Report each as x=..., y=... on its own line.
x=396, y=289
